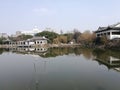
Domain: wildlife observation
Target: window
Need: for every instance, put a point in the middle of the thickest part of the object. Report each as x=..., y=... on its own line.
x=108, y=33
x=98, y=35
x=115, y=33
x=104, y=33
x=24, y=43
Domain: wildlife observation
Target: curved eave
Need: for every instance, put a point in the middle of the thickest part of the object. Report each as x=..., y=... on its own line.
x=108, y=29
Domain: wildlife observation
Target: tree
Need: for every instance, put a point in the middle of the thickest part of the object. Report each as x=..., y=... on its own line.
x=86, y=37
x=24, y=37
x=104, y=40
x=2, y=40
x=1, y=50
x=63, y=39
x=48, y=34
x=56, y=41
x=76, y=35
x=69, y=37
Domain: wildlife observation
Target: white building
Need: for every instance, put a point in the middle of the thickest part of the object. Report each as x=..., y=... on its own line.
x=35, y=41
x=31, y=32
x=111, y=32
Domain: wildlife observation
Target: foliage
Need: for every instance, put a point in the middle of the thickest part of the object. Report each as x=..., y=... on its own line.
x=1, y=50
x=86, y=37
x=101, y=40
x=104, y=40
x=60, y=39
x=53, y=52
x=21, y=37
x=63, y=39
x=69, y=37
x=48, y=34
x=24, y=37
x=76, y=35
x=1, y=40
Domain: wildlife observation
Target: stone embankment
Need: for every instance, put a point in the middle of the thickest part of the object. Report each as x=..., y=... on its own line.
x=64, y=45
x=48, y=45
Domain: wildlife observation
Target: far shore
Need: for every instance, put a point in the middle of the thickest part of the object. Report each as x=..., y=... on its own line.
x=102, y=47
x=48, y=45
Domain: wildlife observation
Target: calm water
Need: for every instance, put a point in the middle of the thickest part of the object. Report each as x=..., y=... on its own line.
x=59, y=69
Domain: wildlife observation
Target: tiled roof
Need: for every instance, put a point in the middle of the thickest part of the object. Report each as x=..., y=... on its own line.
x=110, y=27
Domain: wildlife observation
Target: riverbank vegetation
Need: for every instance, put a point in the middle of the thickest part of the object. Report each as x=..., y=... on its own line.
x=85, y=39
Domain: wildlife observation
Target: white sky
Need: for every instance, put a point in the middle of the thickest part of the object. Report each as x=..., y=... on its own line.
x=57, y=14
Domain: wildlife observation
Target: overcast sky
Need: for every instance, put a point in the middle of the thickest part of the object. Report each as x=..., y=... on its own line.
x=84, y=15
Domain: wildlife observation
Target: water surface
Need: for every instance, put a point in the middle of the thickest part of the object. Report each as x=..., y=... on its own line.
x=59, y=69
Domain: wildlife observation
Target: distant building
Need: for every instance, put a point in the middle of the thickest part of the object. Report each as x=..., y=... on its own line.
x=3, y=35
x=35, y=41
x=111, y=32
x=26, y=32
x=31, y=32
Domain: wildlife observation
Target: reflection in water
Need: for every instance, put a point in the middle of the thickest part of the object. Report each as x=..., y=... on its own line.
x=23, y=49
x=59, y=69
x=35, y=52
x=111, y=59
x=1, y=50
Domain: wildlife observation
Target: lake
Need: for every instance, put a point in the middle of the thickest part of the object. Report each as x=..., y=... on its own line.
x=59, y=69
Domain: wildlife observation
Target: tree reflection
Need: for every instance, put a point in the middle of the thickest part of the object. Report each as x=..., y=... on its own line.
x=87, y=53
x=53, y=52
x=1, y=50
x=109, y=58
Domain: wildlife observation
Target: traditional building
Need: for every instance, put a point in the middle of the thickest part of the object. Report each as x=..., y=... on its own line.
x=35, y=41
x=111, y=32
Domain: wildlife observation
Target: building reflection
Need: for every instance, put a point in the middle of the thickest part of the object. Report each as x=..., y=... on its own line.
x=46, y=52
x=31, y=50
x=111, y=60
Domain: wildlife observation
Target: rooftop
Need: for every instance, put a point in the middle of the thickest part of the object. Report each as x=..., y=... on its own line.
x=110, y=27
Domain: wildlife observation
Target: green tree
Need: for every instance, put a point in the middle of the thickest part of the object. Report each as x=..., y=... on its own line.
x=50, y=35
x=2, y=40
x=24, y=37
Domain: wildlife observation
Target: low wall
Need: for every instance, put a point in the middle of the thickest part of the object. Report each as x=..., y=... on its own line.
x=4, y=46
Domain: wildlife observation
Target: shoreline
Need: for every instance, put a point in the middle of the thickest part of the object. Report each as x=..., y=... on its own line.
x=48, y=45
x=61, y=46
